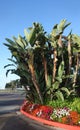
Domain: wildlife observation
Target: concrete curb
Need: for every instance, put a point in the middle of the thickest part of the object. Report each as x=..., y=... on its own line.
x=50, y=123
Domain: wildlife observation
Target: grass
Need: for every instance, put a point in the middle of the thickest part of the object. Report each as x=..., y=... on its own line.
x=74, y=104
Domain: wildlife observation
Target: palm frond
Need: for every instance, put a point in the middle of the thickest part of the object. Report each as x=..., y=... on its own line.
x=9, y=65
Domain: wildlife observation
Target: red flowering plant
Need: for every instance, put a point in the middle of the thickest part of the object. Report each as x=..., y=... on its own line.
x=38, y=110
x=66, y=116
x=45, y=112
x=25, y=104
x=30, y=107
x=59, y=113
x=72, y=119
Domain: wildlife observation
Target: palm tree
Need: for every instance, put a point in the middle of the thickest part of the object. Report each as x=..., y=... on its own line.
x=57, y=44
x=22, y=50
x=44, y=62
x=76, y=51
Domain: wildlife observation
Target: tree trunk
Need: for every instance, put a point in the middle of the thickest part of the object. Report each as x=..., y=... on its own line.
x=60, y=41
x=54, y=64
x=69, y=55
x=35, y=82
x=45, y=69
x=76, y=71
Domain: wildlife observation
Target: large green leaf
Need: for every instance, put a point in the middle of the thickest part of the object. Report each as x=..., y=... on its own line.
x=61, y=69
x=30, y=36
x=49, y=82
x=59, y=95
x=18, y=41
x=14, y=61
x=9, y=65
x=54, y=43
x=65, y=90
x=59, y=79
x=54, y=31
x=62, y=25
x=76, y=39
x=59, y=28
x=10, y=70
x=55, y=85
x=22, y=41
x=10, y=41
x=11, y=47
x=26, y=35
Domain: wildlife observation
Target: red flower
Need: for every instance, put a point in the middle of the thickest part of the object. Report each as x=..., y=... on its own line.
x=46, y=111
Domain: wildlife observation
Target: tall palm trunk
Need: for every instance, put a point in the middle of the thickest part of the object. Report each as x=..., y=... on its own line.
x=60, y=41
x=45, y=69
x=69, y=55
x=76, y=71
x=54, y=64
x=31, y=67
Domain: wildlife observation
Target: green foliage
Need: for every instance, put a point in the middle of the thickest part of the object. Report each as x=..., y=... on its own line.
x=57, y=90
x=12, y=84
x=32, y=61
x=73, y=104
x=61, y=70
x=49, y=82
x=57, y=103
x=62, y=25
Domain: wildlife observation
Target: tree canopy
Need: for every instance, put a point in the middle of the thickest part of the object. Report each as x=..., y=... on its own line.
x=48, y=63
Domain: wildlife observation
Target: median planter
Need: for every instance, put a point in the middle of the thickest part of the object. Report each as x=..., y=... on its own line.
x=42, y=114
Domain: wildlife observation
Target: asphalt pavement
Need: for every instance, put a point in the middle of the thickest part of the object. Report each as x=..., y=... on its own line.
x=12, y=119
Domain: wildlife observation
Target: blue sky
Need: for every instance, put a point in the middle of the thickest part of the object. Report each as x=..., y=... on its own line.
x=16, y=15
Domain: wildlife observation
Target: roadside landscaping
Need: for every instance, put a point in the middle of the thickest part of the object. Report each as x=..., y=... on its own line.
x=64, y=115
x=57, y=117
x=49, y=69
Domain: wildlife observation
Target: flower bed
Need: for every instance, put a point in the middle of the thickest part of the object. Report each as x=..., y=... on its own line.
x=62, y=117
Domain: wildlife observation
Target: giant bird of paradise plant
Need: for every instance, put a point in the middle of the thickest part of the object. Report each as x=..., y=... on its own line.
x=45, y=62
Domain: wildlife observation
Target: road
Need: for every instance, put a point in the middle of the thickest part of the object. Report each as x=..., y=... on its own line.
x=12, y=119
x=10, y=102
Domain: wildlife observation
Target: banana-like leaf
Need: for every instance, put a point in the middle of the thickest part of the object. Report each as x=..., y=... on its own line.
x=26, y=34
x=55, y=85
x=69, y=35
x=76, y=39
x=10, y=41
x=24, y=42
x=59, y=28
x=61, y=69
x=62, y=25
x=67, y=76
x=54, y=43
x=18, y=41
x=65, y=90
x=9, y=65
x=30, y=36
x=26, y=74
x=75, y=50
x=47, y=90
x=59, y=79
x=59, y=95
x=10, y=70
x=49, y=82
x=54, y=31
x=10, y=47
x=15, y=62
